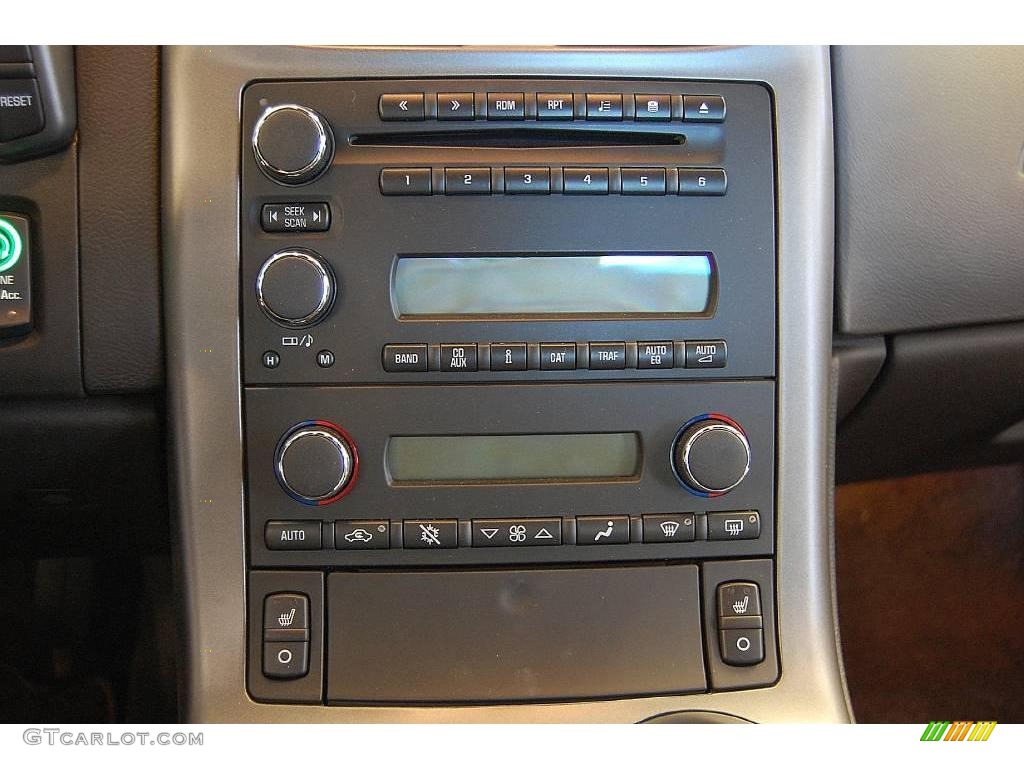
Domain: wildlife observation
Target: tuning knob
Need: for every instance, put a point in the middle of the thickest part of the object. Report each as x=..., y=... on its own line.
x=711, y=455
x=292, y=144
x=316, y=462
x=296, y=288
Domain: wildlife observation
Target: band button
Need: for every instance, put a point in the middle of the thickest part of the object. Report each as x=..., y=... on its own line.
x=404, y=358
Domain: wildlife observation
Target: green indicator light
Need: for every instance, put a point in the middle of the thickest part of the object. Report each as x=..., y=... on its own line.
x=10, y=245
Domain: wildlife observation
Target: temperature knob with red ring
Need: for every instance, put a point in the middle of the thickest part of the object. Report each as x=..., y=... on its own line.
x=710, y=455
x=316, y=462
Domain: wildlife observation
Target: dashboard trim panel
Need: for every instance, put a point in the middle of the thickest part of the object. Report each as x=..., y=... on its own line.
x=201, y=113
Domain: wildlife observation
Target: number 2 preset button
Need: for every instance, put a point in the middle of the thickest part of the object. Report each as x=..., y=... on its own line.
x=527, y=181
x=467, y=181
x=585, y=181
x=405, y=181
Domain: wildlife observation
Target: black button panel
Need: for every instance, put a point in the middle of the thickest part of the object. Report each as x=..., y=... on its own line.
x=547, y=356
x=544, y=105
x=526, y=532
x=566, y=180
x=286, y=636
x=588, y=530
x=740, y=623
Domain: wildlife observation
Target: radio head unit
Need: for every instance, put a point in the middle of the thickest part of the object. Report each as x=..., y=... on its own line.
x=515, y=325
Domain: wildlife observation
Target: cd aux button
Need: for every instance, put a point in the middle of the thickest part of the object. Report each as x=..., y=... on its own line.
x=458, y=358
x=405, y=358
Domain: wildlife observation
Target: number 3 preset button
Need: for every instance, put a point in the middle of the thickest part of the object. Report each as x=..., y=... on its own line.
x=527, y=181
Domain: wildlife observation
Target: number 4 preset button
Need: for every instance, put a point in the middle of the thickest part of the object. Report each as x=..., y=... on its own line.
x=405, y=181
x=585, y=181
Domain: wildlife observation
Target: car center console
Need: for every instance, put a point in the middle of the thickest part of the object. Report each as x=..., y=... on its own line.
x=528, y=381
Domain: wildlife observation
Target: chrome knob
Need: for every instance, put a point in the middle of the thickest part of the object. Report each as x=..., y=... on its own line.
x=292, y=144
x=711, y=456
x=296, y=288
x=315, y=463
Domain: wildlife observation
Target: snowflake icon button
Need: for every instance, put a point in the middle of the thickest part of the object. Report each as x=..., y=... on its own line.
x=430, y=534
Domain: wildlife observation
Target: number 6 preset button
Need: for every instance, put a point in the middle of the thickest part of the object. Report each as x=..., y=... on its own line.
x=585, y=181
x=467, y=181
x=527, y=181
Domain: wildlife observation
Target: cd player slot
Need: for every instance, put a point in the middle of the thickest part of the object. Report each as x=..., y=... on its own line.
x=521, y=138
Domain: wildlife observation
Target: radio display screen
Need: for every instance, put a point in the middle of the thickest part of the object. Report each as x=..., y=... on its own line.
x=577, y=285
x=513, y=458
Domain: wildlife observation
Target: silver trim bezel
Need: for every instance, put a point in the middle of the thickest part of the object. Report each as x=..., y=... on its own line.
x=328, y=290
x=688, y=475
x=307, y=173
x=202, y=147
x=332, y=437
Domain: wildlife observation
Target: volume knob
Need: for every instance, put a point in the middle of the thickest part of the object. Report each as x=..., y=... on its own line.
x=315, y=463
x=296, y=288
x=711, y=455
x=292, y=144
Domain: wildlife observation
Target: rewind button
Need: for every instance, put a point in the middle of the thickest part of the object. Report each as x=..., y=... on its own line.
x=524, y=532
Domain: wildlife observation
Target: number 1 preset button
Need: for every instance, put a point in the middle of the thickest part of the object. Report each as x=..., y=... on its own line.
x=405, y=181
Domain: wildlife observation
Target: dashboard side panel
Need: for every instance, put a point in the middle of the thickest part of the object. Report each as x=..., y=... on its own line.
x=202, y=101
